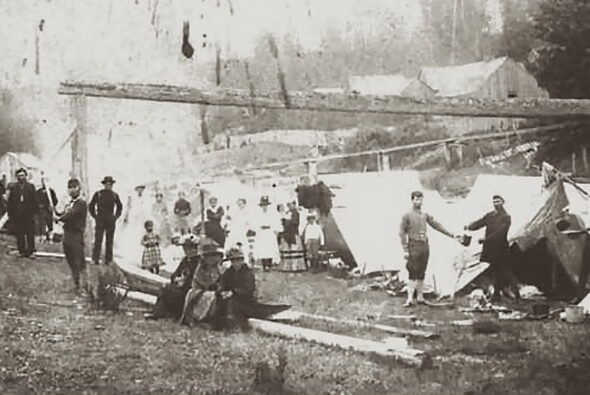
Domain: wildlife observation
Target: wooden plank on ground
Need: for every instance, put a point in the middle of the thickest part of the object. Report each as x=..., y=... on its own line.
x=339, y=102
x=381, y=327
x=409, y=356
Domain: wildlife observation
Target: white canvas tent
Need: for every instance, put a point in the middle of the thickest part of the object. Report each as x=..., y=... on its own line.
x=12, y=161
x=367, y=210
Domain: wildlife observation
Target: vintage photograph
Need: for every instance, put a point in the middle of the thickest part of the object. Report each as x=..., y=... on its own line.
x=294, y=197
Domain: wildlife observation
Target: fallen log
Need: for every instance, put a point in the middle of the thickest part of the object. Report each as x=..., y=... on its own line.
x=138, y=296
x=409, y=356
x=43, y=254
x=381, y=327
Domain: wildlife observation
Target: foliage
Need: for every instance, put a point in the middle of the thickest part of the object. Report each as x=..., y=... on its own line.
x=564, y=57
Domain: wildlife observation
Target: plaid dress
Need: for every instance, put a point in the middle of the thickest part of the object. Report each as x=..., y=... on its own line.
x=151, y=258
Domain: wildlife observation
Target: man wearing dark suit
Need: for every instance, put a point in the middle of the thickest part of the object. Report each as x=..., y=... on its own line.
x=44, y=210
x=74, y=220
x=22, y=206
x=105, y=207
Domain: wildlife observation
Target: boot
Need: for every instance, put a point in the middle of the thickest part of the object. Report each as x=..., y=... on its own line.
x=411, y=289
x=419, y=290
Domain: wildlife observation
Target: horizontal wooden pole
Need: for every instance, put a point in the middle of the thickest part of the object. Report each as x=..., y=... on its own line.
x=449, y=140
x=470, y=107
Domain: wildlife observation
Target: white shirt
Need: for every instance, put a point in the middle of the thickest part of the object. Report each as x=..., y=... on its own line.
x=314, y=232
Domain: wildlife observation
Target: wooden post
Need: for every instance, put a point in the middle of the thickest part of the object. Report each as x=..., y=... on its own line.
x=574, y=163
x=448, y=155
x=585, y=158
x=312, y=170
x=79, y=111
x=386, y=164
x=458, y=149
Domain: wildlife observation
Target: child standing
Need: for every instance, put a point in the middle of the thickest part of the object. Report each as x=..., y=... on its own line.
x=151, y=258
x=314, y=240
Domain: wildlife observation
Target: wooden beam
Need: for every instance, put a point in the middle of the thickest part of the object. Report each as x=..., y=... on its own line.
x=369, y=325
x=352, y=102
x=409, y=356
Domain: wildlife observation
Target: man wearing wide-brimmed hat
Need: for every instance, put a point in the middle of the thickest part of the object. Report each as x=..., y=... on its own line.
x=266, y=224
x=105, y=207
x=200, y=299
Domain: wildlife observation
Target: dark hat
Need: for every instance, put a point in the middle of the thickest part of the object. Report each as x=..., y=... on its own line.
x=108, y=179
x=235, y=253
x=140, y=187
x=208, y=246
x=21, y=170
x=264, y=201
x=498, y=197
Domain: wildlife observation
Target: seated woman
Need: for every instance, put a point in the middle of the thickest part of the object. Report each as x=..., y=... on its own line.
x=236, y=296
x=171, y=300
x=200, y=298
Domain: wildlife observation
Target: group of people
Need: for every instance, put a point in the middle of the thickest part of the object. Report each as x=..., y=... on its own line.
x=495, y=250
x=29, y=210
x=272, y=237
x=204, y=288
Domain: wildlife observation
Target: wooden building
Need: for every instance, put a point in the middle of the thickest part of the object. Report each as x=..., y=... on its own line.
x=500, y=78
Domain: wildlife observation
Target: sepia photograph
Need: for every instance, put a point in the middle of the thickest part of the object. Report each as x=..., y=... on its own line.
x=295, y=197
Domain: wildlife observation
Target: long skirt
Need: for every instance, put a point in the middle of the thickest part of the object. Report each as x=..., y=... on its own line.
x=266, y=246
x=292, y=256
x=202, y=307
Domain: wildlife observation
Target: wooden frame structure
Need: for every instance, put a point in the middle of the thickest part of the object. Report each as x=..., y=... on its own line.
x=557, y=109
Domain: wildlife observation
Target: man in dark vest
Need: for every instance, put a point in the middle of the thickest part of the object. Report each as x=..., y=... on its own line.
x=105, y=207
x=44, y=209
x=74, y=220
x=495, y=247
x=22, y=206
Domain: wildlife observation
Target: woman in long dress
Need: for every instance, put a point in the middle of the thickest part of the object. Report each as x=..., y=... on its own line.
x=213, y=228
x=291, y=247
x=266, y=226
x=160, y=216
x=238, y=226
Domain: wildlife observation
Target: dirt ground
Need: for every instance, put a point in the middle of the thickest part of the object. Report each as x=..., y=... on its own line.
x=54, y=343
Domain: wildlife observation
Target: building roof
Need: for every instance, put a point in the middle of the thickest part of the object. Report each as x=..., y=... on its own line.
x=460, y=80
x=393, y=84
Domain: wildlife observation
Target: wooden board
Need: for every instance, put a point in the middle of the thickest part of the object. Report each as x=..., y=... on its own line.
x=370, y=325
x=390, y=350
x=472, y=107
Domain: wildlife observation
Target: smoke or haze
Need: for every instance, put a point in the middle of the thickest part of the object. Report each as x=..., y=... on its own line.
x=16, y=133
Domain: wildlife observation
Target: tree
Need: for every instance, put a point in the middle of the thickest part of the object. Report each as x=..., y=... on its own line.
x=563, y=57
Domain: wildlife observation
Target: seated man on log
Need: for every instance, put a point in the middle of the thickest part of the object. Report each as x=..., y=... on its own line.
x=171, y=300
x=200, y=298
x=236, y=295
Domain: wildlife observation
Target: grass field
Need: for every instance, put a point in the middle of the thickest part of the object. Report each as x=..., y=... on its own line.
x=53, y=342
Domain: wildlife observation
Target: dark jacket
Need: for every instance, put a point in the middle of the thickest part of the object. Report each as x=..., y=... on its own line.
x=291, y=227
x=43, y=200
x=495, y=245
x=74, y=218
x=22, y=201
x=105, y=205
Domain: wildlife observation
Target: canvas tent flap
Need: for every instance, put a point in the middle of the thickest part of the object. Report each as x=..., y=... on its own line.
x=567, y=251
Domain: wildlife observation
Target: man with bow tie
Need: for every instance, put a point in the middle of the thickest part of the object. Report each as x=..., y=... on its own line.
x=74, y=220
